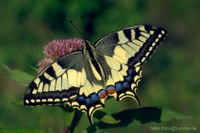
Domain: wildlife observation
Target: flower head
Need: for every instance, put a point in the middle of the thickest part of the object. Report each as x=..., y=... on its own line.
x=58, y=48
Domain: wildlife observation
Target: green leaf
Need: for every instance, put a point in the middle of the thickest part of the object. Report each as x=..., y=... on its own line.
x=105, y=117
x=21, y=130
x=168, y=115
x=20, y=103
x=76, y=120
x=135, y=116
x=143, y=115
x=109, y=120
x=68, y=118
x=71, y=117
x=21, y=77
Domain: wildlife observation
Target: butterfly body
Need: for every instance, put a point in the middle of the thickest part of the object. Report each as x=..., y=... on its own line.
x=112, y=66
x=91, y=56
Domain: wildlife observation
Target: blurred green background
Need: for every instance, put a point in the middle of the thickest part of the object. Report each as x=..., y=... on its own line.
x=171, y=78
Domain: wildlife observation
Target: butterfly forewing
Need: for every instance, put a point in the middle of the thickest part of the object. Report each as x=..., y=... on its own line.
x=58, y=82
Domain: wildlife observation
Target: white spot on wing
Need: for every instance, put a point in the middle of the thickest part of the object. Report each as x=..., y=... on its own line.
x=137, y=69
x=151, y=32
x=64, y=99
x=74, y=103
x=34, y=91
x=27, y=102
x=32, y=101
x=50, y=99
x=150, y=48
x=38, y=100
x=157, y=40
x=57, y=100
x=153, y=44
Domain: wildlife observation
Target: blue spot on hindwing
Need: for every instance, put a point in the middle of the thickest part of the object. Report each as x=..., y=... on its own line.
x=118, y=86
x=88, y=101
x=94, y=98
x=129, y=79
x=125, y=84
x=130, y=71
x=81, y=99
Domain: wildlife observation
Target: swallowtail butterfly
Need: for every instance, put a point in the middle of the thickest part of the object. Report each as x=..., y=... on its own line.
x=111, y=66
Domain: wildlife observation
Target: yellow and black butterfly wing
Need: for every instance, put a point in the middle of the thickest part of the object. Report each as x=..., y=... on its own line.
x=121, y=55
x=70, y=80
x=58, y=83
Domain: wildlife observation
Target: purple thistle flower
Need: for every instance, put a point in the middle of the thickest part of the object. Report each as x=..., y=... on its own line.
x=58, y=48
x=43, y=63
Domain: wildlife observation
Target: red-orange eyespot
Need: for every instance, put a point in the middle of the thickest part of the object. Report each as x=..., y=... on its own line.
x=102, y=94
x=110, y=90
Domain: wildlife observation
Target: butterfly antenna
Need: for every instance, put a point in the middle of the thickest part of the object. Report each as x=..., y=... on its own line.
x=83, y=36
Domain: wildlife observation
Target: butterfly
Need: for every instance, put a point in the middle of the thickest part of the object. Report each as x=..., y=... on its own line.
x=110, y=67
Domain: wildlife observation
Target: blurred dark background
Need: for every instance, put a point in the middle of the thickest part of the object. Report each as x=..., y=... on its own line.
x=170, y=78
